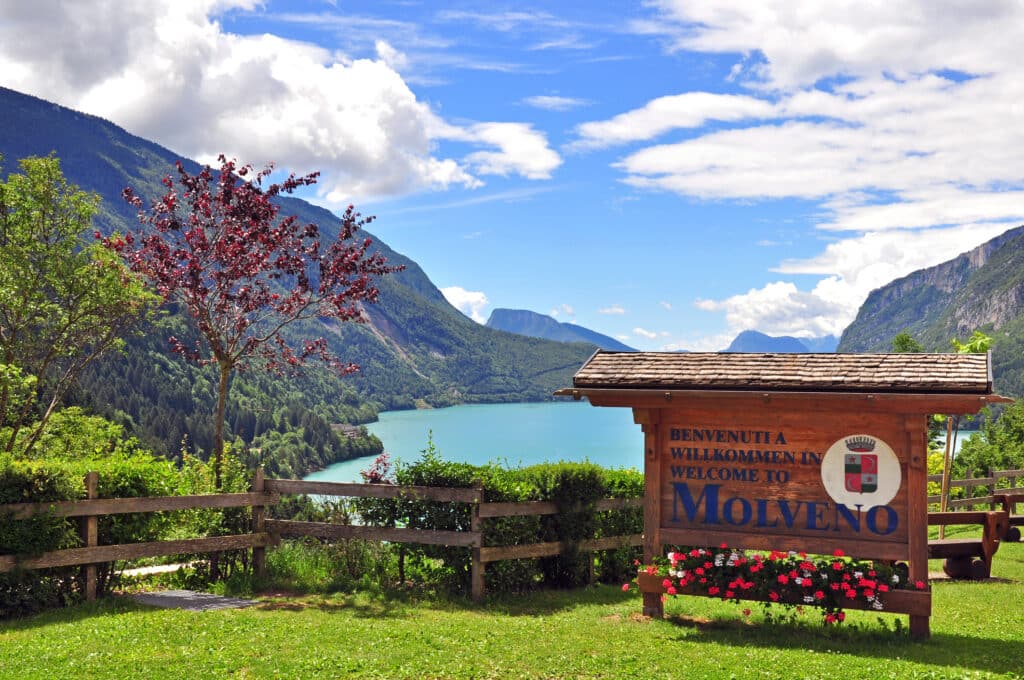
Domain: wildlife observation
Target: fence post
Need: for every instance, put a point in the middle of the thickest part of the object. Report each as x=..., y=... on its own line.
x=992, y=489
x=90, y=535
x=259, y=554
x=477, y=567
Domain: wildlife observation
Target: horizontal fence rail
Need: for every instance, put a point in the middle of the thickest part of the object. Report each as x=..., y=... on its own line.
x=292, y=529
x=122, y=506
x=979, y=491
x=416, y=493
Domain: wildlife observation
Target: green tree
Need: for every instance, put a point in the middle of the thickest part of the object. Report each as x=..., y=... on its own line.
x=999, y=445
x=904, y=343
x=64, y=299
x=978, y=343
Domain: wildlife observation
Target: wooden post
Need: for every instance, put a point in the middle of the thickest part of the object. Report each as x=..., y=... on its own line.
x=90, y=535
x=916, y=451
x=476, y=568
x=946, y=464
x=992, y=489
x=648, y=419
x=259, y=555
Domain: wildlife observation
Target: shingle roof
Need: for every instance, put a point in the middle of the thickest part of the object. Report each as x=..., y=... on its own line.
x=917, y=373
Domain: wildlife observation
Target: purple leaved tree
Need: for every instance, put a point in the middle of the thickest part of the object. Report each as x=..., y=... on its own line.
x=214, y=244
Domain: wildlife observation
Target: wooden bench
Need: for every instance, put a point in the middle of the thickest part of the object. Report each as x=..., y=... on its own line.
x=968, y=558
x=1009, y=502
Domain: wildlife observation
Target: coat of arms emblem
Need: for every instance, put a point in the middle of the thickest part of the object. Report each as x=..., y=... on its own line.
x=861, y=465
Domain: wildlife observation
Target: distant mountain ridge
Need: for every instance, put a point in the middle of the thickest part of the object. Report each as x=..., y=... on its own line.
x=982, y=289
x=415, y=350
x=755, y=341
x=536, y=325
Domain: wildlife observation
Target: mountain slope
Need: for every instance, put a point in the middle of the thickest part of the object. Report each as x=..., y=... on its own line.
x=416, y=348
x=755, y=341
x=532, y=324
x=980, y=289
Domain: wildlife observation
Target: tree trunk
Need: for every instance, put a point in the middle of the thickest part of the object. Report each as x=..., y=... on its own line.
x=218, y=425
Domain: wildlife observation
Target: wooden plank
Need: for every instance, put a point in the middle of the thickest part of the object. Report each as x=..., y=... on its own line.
x=973, y=482
x=915, y=455
x=912, y=602
x=121, y=506
x=527, y=508
x=790, y=450
x=477, y=567
x=955, y=547
x=653, y=444
x=424, y=493
x=522, y=552
x=551, y=548
x=971, y=502
x=90, y=536
x=739, y=401
x=822, y=545
x=524, y=508
x=612, y=542
x=259, y=554
x=369, y=533
x=952, y=518
x=132, y=551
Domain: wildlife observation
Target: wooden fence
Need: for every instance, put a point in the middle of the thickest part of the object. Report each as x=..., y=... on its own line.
x=267, y=532
x=978, y=491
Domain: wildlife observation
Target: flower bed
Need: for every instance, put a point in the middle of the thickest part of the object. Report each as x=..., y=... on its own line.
x=830, y=583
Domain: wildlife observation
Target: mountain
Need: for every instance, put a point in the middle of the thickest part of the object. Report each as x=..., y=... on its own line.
x=534, y=325
x=415, y=350
x=754, y=341
x=982, y=289
x=824, y=344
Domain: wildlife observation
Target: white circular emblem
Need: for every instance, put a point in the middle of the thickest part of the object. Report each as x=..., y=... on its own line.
x=860, y=469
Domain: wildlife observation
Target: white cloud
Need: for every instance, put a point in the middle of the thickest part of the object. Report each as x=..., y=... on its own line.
x=505, y=21
x=644, y=333
x=563, y=309
x=806, y=42
x=555, y=103
x=612, y=309
x=852, y=268
x=167, y=70
x=689, y=110
x=563, y=42
x=885, y=112
x=469, y=302
x=666, y=305
x=520, y=150
x=394, y=59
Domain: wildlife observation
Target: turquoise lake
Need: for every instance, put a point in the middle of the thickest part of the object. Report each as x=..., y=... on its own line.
x=510, y=434
x=513, y=435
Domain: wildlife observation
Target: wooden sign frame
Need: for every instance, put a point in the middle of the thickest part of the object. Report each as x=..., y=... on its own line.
x=802, y=470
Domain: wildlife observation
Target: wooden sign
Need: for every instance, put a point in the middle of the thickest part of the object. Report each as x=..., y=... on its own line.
x=807, y=452
x=793, y=481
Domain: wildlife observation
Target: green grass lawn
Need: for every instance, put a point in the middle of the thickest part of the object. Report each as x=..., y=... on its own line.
x=977, y=631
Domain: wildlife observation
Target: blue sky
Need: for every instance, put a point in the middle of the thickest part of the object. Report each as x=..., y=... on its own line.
x=669, y=173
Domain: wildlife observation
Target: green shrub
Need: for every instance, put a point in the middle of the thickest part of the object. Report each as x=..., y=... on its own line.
x=575, y=487
x=71, y=446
